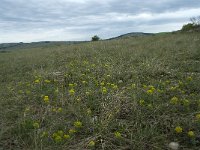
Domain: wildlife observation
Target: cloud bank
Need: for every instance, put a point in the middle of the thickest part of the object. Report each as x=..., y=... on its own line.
x=63, y=20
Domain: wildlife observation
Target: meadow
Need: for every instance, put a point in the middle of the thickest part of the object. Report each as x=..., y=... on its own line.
x=137, y=93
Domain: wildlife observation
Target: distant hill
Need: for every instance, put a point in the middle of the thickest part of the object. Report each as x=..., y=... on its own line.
x=4, y=47
x=11, y=46
x=132, y=34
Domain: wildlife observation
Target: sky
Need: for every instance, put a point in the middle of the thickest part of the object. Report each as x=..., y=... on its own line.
x=75, y=20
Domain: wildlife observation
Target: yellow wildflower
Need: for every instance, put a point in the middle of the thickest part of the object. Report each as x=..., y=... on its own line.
x=56, y=91
x=186, y=102
x=133, y=86
x=91, y=144
x=66, y=136
x=152, y=87
x=59, y=109
x=142, y=102
x=71, y=85
x=108, y=84
x=118, y=134
x=104, y=90
x=144, y=86
x=46, y=99
x=173, y=88
x=102, y=83
x=114, y=86
x=191, y=134
x=150, y=91
x=28, y=92
x=47, y=81
x=84, y=82
x=106, y=65
x=174, y=100
x=180, y=83
x=71, y=92
x=54, y=110
x=60, y=132
x=78, y=124
x=54, y=135
x=189, y=78
x=85, y=62
x=178, y=129
x=44, y=134
x=58, y=138
x=36, y=125
x=167, y=81
x=198, y=117
x=37, y=81
x=72, y=131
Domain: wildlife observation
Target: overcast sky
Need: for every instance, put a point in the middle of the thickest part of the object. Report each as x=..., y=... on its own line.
x=63, y=20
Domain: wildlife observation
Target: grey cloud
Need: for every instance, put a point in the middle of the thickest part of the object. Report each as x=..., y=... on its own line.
x=90, y=17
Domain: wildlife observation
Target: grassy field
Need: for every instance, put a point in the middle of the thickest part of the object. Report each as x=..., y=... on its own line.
x=129, y=94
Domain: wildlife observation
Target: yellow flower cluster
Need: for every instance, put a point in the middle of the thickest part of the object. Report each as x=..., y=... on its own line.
x=186, y=102
x=84, y=82
x=46, y=99
x=57, y=110
x=150, y=89
x=37, y=81
x=47, y=81
x=36, y=125
x=91, y=144
x=191, y=134
x=179, y=129
x=142, y=102
x=71, y=92
x=189, y=78
x=72, y=131
x=117, y=135
x=198, y=117
x=44, y=134
x=104, y=90
x=78, y=124
x=66, y=136
x=59, y=136
x=174, y=100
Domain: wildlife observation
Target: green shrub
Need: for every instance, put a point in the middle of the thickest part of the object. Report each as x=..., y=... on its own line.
x=187, y=27
x=190, y=27
x=95, y=38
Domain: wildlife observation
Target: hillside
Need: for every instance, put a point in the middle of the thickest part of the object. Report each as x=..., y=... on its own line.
x=127, y=93
x=133, y=34
x=16, y=46
x=5, y=47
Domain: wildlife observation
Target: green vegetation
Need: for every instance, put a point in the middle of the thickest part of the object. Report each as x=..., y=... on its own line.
x=193, y=26
x=189, y=27
x=134, y=93
x=95, y=38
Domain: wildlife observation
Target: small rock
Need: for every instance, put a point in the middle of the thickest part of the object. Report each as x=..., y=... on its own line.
x=174, y=145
